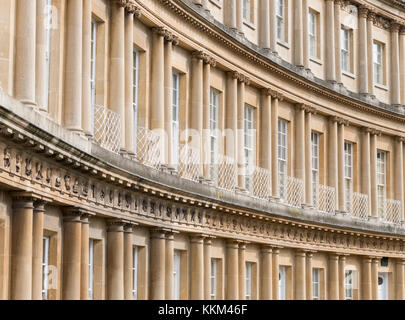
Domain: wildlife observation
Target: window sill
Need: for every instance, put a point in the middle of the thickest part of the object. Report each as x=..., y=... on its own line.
x=349, y=74
x=249, y=24
x=283, y=44
x=316, y=60
x=381, y=86
x=216, y=3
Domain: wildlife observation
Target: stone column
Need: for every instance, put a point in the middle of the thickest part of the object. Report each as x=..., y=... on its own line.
x=341, y=166
x=366, y=279
x=231, y=119
x=84, y=258
x=330, y=41
x=298, y=41
x=207, y=268
x=25, y=33
x=363, y=58
x=402, y=63
x=197, y=267
x=157, y=264
x=242, y=271
x=342, y=262
x=300, y=145
x=266, y=273
x=273, y=26
x=365, y=166
x=399, y=279
x=338, y=66
x=72, y=240
x=242, y=170
x=395, y=72
x=275, y=271
x=333, y=277
x=41, y=91
x=231, y=271
x=373, y=173
x=117, y=64
x=333, y=157
x=157, y=80
x=399, y=173
x=169, y=265
x=265, y=133
x=299, y=290
x=308, y=282
x=115, y=260
x=230, y=14
x=128, y=262
x=371, y=17
x=305, y=30
x=374, y=278
x=274, y=145
x=308, y=159
x=239, y=16
x=264, y=27
x=196, y=116
x=86, y=69
x=37, y=249
x=168, y=88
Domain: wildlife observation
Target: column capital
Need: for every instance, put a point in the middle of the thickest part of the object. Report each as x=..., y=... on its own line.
x=367, y=259
x=233, y=74
x=340, y=120
x=132, y=8
x=395, y=26
x=120, y=3
x=363, y=11
x=300, y=253
x=334, y=256
x=307, y=108
x=129, y=226
x=199, y=55
x=232, y=243
x=340, y=3
x=273, y=93
x=244, y=79
x=197, y=238
x=160, y=31
x=24, y=199
x=402, y=30
x=371, y=16
x=116, y=225
x=158, y=233
x=266, y=248
x=73, y=214
x=171, y=37
x=400, y=138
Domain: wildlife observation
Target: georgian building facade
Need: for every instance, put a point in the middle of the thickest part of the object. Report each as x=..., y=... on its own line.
x=176, y=149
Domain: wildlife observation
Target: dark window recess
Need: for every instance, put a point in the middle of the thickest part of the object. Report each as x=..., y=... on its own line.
x=384, y=262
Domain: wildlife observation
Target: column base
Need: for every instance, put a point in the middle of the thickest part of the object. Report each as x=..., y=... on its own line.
x=340, y=212
x=307, y=206
x=373, y=219
x=241, y=190
x=29, y=103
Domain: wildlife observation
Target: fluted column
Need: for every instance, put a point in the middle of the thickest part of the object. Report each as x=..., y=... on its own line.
x=338, y=66
x=21, y=248
x=128, y=262
x=308, y=281
x=308, y=159
x=157, y=265
x=333, y=156
x=84, y=258
x=207, y=268
x=117, y=64
x=25, y=33
x=341, y=166
x=298, y=41
x=274, y=146
x=40, y=55
x=266, y=273
x=273, y=26
x=264, y=26
x=395, y=72
x=196, y=116
x=399, y=279
x=86, y=69
x=242, y=271
x=371, y=18
x=37, y=249
x=342, y=263
x=299, y=290
x=373, y=173
x=399, y=173
x=330, y=41
x=305, y=30
x=402, y=63
x=363, y=58
x=169, y=265
x=265, y=133
x=365, y=166
x=231, y=119
x=168, y=84
x=231, y=271
x=197, y=267
x=333, y=277
x=366, y=279
x=157, y=80
x=300, y=145
x=230, y=14
x=73, y=66
x=240, y=134
x=275, y=272
x=72, y=240
x=374, y=278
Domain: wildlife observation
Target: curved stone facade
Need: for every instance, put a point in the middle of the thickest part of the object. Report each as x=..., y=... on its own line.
x=176, y=149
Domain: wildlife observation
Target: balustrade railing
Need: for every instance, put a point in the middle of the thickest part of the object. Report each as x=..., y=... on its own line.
x=294, y=191
x=392, y=211
x=148, y=148
x=325, y=198
x=107, y=128
x=359, y=205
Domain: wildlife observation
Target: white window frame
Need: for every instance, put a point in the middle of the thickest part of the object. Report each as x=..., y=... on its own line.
x=249, y=145
x=348, y=172
x=345, y=41
x=313, y=34
x=316, y=284
x=349, y=284
x=135, y=96
x=135, y=273
x=48, y=23
x=248, y=281
x=93, y=67
x=213, y=279
x=91, y=269
x=280, y=16
x=282, y=283
x=381, y=162
x=214, y=106
x=282, y=159
x=315, y=138
x=175, y=117
x=378, y=62
x=176, y=274
x=45, y=266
